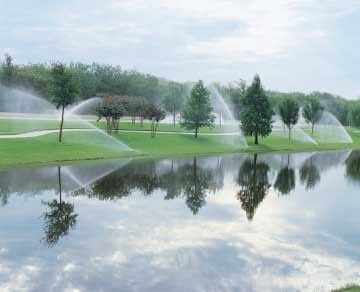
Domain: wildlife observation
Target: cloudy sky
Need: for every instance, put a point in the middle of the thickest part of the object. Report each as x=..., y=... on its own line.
x=294, y=45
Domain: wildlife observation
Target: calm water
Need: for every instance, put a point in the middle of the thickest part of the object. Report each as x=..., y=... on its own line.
x=227, y=223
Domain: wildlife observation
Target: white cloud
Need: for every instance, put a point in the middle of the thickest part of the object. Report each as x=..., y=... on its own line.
x=170, y=38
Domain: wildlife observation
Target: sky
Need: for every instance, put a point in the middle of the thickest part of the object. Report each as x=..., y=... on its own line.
x=294, y=45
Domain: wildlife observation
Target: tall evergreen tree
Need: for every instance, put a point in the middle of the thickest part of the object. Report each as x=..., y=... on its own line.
x=64, y=90
x=289, y=112
x=256, y=113
x=197, y=112
x=312, y=112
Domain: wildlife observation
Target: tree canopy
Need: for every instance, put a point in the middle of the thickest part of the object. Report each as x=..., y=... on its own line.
x=198, y=110
x=289, y=112
x=64, y=90
x=312, y=112
x=256, y=112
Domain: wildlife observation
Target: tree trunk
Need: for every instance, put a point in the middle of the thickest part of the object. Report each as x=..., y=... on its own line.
x=196, y=132
x=289, y=133
x=174, y=117
x=220, y=119
x=62, y=123
x=312, y=130
x=156, y=126
x=59, y=178
x=256, y=139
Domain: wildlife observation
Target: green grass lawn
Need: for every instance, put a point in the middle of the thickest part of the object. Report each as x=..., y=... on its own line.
x=17, y=126
x=45, y=149
x=91, y=145
x=348, y=288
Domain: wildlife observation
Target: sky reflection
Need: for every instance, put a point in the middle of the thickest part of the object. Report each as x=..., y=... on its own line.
x=180, y=225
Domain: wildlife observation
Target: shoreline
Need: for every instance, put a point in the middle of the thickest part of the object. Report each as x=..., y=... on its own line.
x=136, y=155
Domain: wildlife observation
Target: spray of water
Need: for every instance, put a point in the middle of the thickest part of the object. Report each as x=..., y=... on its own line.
x=17, y=101
x=22, y=104
x=87, y=106
x=297, y=134
x=230, y=123
x=328, y=129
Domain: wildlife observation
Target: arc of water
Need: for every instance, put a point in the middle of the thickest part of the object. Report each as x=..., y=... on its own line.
x=298, y=134
x=15, y=100
x=75, y=111
x=229, y=114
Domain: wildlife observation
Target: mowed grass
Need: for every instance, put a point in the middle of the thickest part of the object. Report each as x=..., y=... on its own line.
x=348, y=288
x=92, y=145
x=17, y=126
x=46, y=149
x=167, y=127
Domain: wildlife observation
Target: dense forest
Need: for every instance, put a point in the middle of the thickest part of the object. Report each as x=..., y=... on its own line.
x=94, y=79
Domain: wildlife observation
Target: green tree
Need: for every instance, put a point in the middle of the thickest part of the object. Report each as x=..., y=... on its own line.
x=8, y=69
x=155, y=114
x=173, y=102
x=197, y=112
x=112, y=109
x=355, y=115
x=312, y=112
x=256, y=113
x=289, y=112
x=65, y=90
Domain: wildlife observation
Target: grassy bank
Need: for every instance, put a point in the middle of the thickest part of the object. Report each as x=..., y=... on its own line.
x=17, y=126
x=91, y=145
x=348, y=288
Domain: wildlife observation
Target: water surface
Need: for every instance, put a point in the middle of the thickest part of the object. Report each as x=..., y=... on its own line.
x=285, y=222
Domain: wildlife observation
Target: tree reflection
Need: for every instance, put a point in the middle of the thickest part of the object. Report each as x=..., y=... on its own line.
x=353, y=166
x=196, y=182
x=59, y=219
x=254, y=182
x=189, y=181
x=309, y=174
x=285, y=180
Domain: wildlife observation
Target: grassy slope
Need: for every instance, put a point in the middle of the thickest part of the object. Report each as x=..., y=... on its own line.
x=348, y=288
x=12, y=126
x=89, y=145
x=16, y=126
x=46, y=149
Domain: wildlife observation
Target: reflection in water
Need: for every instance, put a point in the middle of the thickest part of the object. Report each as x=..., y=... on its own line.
x=309, y=174
x=353, y=166
x=285, y=180
x=136, y=229
x=59, y=218
x=254, y=182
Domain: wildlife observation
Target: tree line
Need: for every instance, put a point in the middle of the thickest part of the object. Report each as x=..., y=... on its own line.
x=145, y=96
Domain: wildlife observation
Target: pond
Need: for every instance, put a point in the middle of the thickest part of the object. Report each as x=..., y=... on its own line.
x=270, y=222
